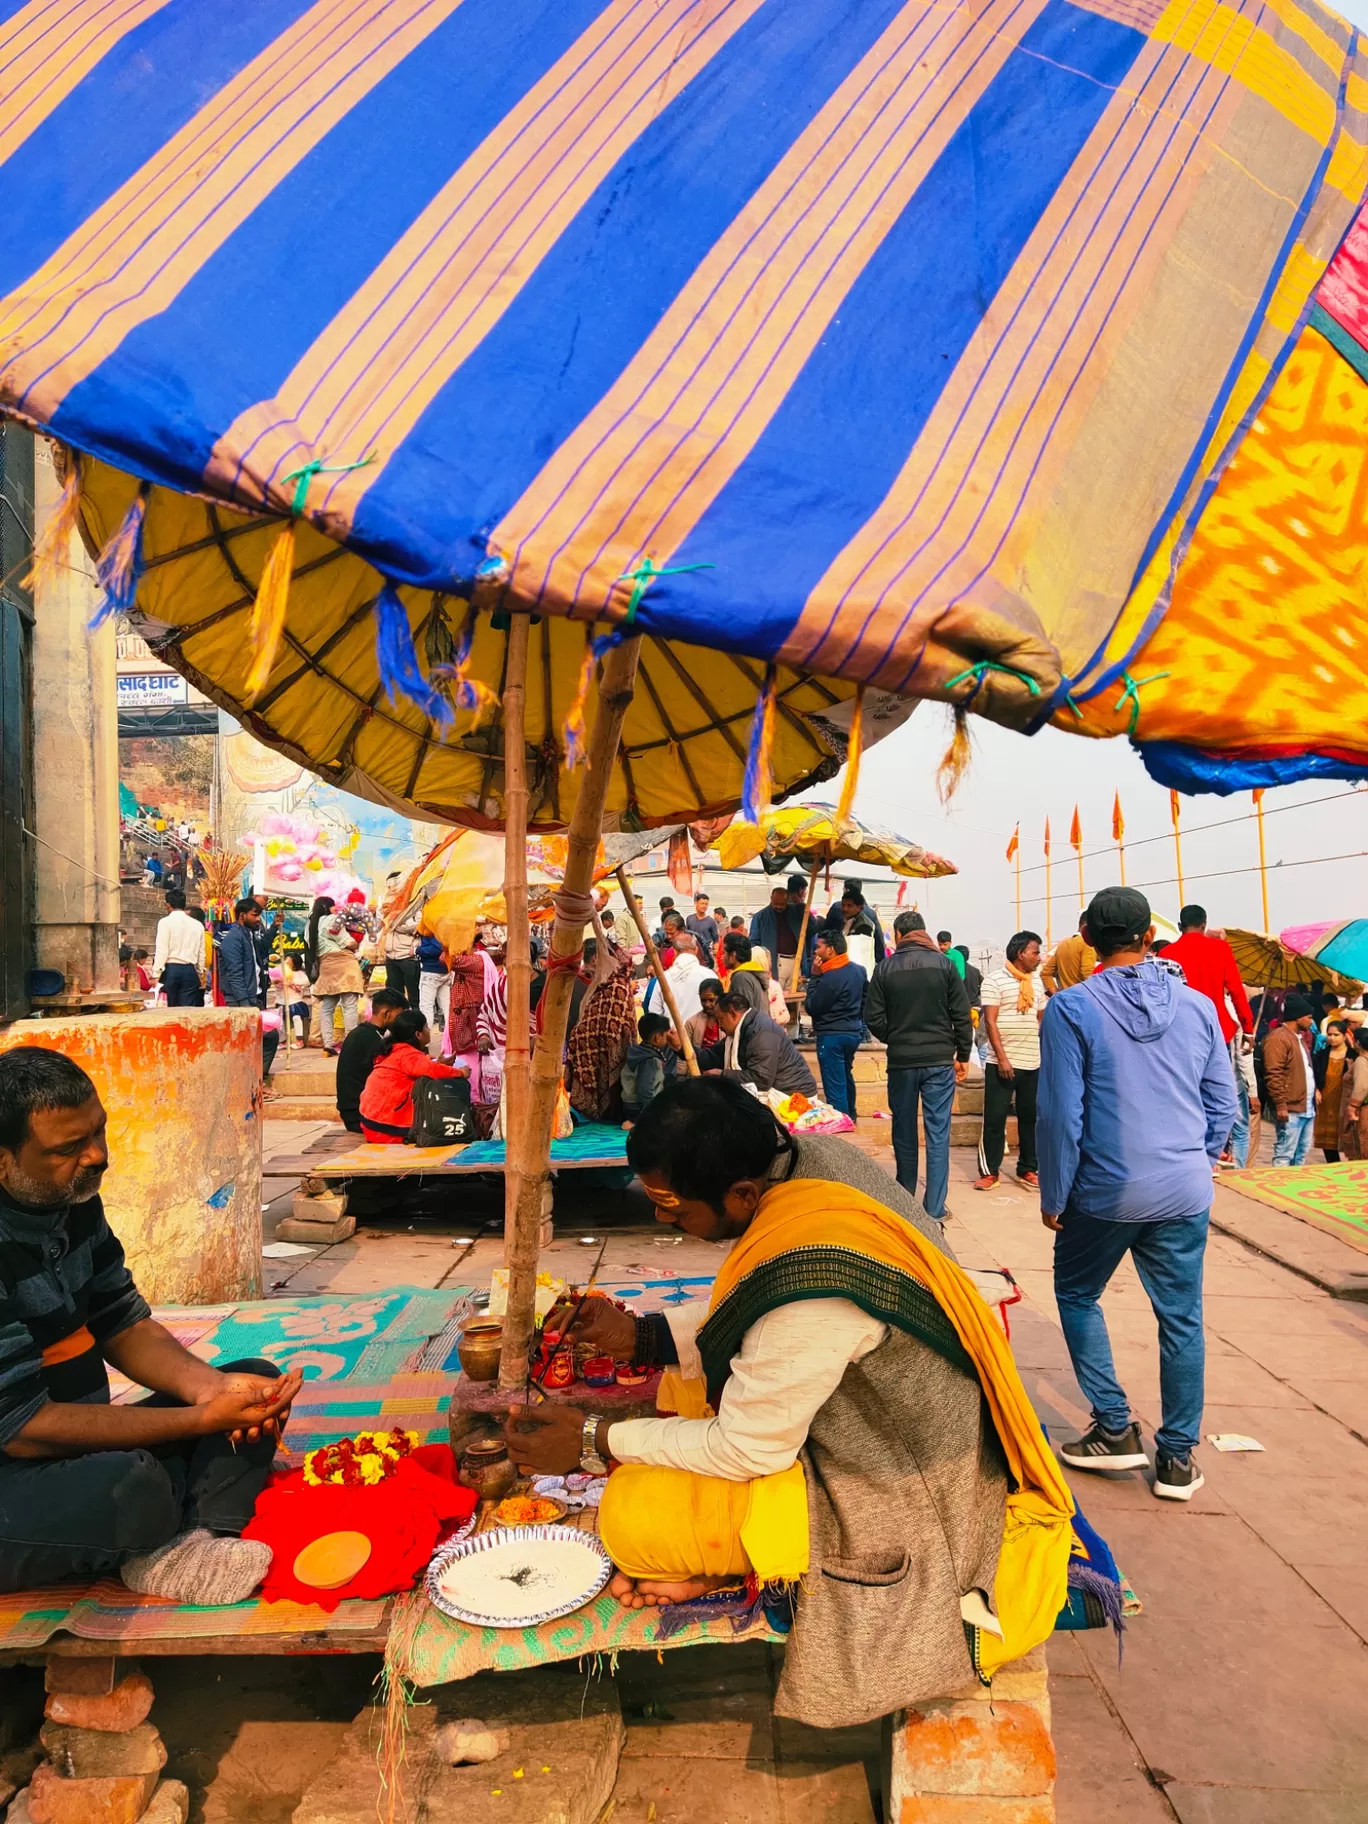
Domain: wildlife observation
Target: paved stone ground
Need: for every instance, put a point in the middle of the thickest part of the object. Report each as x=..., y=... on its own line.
x=1241, y=1696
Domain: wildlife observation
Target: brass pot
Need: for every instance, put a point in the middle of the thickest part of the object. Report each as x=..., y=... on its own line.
x=479, y=1349
x=487, y=1468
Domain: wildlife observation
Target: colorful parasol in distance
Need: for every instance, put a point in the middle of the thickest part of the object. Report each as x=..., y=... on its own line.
x=1269, y=962
x=625, y=338
x=1340, y=946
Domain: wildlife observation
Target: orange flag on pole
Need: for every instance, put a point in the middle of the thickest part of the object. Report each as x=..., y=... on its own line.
x=1118, y=821
x=1076, y=830
x=1047, y=838
x=1174, y=807
x=1015, y=843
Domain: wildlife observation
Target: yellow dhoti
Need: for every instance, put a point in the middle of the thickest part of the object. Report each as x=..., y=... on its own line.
x=669, y=1524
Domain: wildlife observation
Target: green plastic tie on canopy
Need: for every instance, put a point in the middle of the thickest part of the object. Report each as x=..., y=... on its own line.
x=645, y=574
x=976, y=673
x=1132, y=691
x=302, y=477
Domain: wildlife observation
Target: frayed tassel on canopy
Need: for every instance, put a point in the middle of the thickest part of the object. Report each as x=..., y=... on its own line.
x=120, y=565
x=955, y=760
x=396, y=657
x=470, y=693
x=50, y=552
x=268, y=611
x=575, y=732
x=758, y=786
x=853, y=753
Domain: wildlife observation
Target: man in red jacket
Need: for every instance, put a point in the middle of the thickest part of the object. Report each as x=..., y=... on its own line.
x=1209, y=965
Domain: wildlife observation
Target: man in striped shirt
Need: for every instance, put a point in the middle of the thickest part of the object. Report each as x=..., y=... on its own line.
x=158, y=1490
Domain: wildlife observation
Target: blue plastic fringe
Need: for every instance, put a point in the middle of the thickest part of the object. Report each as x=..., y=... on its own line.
x=120, y=566
x=397, y=659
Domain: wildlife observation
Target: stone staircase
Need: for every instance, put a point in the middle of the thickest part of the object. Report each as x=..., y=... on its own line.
x=307, y=1085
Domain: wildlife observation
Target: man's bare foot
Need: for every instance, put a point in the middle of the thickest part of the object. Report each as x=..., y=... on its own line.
x=639, y=1593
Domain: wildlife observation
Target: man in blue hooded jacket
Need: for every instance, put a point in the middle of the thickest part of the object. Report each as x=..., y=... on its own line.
x=1136, y=1101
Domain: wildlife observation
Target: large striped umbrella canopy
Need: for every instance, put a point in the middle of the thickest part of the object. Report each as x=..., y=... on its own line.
x=981, y=350
x=1340, y=945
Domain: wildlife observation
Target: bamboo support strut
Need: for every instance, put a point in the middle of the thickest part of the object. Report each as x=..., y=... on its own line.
x=798, y=976
x=518, y=962
x=529, y=1153
x=653, y=957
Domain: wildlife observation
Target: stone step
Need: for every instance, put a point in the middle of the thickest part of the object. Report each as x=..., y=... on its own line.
x=309, y=1081
x=289, y=1107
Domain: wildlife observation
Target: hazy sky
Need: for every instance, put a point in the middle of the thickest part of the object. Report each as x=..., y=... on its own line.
x=1015, y=777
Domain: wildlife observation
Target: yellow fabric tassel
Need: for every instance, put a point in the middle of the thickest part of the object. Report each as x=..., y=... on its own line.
x=575, y=734
x=853, y=753
x=955, y=762
x=268, y=611
x=50, y=551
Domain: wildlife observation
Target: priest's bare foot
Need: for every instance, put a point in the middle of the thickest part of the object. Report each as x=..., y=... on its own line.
x=644, y=1593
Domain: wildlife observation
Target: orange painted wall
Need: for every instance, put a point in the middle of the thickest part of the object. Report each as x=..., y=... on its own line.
x=183, y=1190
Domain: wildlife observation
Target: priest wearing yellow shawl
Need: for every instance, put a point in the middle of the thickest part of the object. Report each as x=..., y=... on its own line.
x=847, y=1420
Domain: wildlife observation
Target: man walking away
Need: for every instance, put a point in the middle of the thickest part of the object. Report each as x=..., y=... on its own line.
x=1013, y=1001
x=835, y=1005
x=971, y=977
x=179, y=954
x=1072, y=961
x=1209, y=965
x=240, y=980
x=1136, y=1101
x=917, y=1005
x=1291, y=1081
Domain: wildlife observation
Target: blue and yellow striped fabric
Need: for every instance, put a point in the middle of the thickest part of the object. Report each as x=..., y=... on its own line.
x=912, y=335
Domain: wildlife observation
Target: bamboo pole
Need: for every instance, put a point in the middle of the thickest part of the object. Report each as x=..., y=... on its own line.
x=1174, y=813
x=1049, y=893
x=1263, y=857
x=517, y=1054
x=653, y=958
x=798, y=977
x=1017, y=859
x=530, y=1152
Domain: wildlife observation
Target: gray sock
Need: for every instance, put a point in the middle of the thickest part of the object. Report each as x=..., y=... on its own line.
x=201, y=1568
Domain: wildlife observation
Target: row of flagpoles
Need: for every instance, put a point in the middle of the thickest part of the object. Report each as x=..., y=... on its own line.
x=1118, y=830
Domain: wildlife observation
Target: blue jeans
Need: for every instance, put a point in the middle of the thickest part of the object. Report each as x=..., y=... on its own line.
x=1294, y=1140
x=835, y=1050
x=933, y=1085
x=1168, y=1258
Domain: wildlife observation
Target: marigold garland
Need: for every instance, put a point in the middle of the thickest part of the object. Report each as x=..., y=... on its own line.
x=359, y=1462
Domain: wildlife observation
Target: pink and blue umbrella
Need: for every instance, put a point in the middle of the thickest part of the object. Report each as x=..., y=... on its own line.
x=1341, y=944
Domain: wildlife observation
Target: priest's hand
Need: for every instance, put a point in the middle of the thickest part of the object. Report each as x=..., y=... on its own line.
x=612, y=1332
x=545, y=1440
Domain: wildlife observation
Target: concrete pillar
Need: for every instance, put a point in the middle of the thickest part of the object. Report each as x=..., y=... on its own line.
x=182, y=1087
x=75, y=765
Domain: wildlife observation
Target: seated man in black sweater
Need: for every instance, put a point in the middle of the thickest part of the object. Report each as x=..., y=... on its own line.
x=360, y=1049
x=159, y=1490
x=756, y=1049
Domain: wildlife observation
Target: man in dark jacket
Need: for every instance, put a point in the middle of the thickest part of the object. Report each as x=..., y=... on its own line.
x=239, y=976
x=853, y=916
x=835, y=1005
x=757, y=1049
x=744, y=975
x=360, y=1048
x=775, y=927
x=917, y=1005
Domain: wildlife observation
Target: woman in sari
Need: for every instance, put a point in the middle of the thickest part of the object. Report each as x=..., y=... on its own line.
x=477, y=1017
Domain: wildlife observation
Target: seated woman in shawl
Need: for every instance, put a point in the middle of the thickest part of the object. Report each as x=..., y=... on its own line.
x=849, y=1415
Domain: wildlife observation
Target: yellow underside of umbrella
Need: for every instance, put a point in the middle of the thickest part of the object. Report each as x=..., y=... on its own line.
x=1265, y=962
x=684, y=743
x=463, y=882
x=808, y=835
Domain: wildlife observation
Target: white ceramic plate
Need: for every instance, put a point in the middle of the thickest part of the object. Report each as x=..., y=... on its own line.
x=518, y=1577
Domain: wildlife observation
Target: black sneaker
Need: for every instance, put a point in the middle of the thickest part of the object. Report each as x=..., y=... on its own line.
x=1176, y=1478
x=1101, y=1449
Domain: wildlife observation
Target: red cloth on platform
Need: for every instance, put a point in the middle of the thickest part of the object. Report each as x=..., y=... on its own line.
x=403, y=1517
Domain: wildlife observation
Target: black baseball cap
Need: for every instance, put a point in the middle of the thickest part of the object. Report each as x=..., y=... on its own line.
x=1117, y=919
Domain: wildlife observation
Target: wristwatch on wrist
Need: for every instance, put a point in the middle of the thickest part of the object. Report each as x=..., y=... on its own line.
x=590, y=1461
